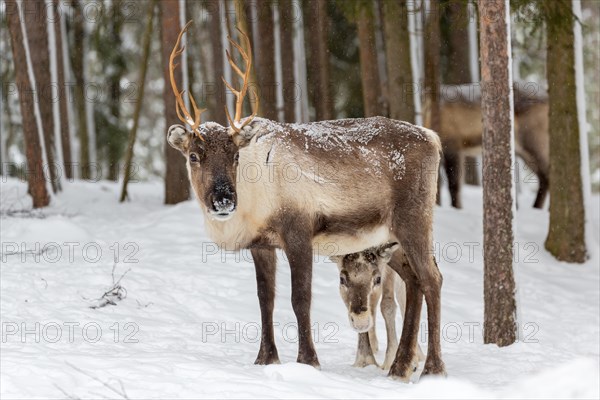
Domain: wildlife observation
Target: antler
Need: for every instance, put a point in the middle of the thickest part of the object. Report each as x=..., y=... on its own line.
x=240, y=94
x=182, y=112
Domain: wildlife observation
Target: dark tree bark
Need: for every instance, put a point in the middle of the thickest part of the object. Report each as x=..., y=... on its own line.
x=77, y=62
x=35, y=15
x=457, y=25
x=316, y=23
x=33, y=149
x=65, y=136
x=500, y=310
x=566, y=235
x=286, y=31
x=265, y=65
x=398, y=61
x=245, y=24
x=176, y=180
x=217, y=100
x=368, y=60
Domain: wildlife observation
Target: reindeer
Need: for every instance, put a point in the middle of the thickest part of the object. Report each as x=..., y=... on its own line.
x=461, y=130
x=335, y=187
x=365, y=278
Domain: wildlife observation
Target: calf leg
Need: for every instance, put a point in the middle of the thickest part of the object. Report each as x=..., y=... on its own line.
x=373, y=331
x=265, y=264
x=388, y=310
x=364, y=354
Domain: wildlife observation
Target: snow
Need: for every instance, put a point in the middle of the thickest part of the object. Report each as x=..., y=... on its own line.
x=188, y=326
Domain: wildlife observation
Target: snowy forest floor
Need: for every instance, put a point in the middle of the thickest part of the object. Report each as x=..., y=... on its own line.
x=188, y=326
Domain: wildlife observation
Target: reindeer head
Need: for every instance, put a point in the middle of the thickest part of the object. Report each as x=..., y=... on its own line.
x=212, y=150
x=360, y=282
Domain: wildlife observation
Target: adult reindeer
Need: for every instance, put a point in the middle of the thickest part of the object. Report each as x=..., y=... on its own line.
x=344, y=185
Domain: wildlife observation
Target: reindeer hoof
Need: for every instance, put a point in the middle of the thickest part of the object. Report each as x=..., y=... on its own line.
x=434, y=369
x=364, y=362
x=309, y=360
x=402, y=371
x=267, y=357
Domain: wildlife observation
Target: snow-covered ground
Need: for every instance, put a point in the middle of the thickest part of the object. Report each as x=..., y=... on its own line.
x=188, y=327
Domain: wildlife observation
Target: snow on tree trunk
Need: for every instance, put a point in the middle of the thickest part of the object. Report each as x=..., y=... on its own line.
x=566, y=235
x=176, y=180
x=33, y=146
x=500, y=310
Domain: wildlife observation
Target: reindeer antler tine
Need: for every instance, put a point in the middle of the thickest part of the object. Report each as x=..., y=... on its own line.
x=182, y=112
x=246, y=54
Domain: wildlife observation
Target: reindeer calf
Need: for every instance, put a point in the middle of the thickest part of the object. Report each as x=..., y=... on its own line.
x=365, y=278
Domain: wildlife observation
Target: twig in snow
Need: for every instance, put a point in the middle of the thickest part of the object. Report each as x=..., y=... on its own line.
x=67, y=395
x=121, y=392
x=115, y=293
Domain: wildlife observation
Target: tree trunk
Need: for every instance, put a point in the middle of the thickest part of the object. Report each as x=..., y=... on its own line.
x=432, y=68
x=316, y=21
x=37, y=37
x=458, y=68
x=265, y=65
x=500, y=310
x=398, y=61
x=566, y=235
x=286, y=31
x=368, y=61
x=217, y=93
x=78, y=64
x=65, y=136
x=176, y=181
x=33, y=149
x=244, y=21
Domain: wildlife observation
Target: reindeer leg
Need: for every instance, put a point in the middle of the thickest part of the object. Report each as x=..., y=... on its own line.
x=404, y=362
x=265, y=264
x=452, y=165
x=388, y=310
x=298, y=248
x=400, y=289
x=364, y=353
x=417, y=245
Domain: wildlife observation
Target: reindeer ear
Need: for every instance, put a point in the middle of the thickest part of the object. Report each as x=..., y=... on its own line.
x=179, y=138
x=243, y=138
x=386, y=251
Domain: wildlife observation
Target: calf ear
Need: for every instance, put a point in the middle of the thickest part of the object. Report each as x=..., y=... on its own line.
x=179, y=138
x=336, y=259
x=386, y=251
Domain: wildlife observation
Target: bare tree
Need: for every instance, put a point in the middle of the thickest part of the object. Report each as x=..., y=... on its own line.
x=33, y=149
x=176, y=180
x=566, y=235
x=398, y=60
x=265, y=59
x=368, y=59
x=316, y=22
x=78, y=64
x=286, y=31
x=138, y=105
x=65, y=136
x=500, y=325
x=35, y=15
x=216, y=109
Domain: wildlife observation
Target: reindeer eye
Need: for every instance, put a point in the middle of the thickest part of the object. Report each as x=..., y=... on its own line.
x=342, y=281
x=193, y=157
x=236, y=157
x=378, y=280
